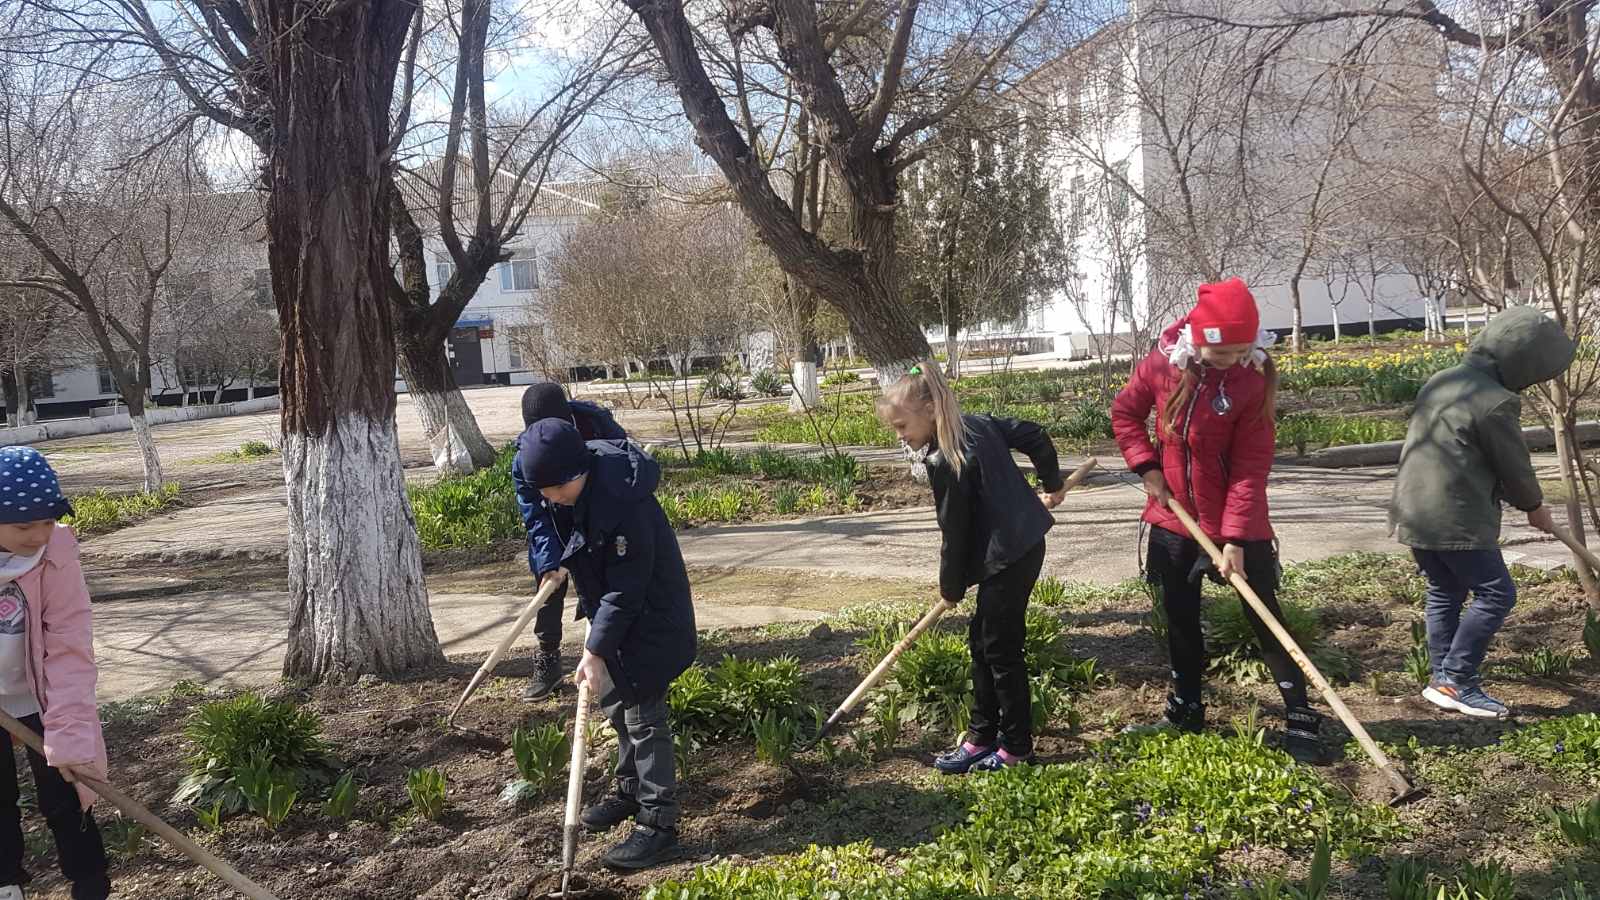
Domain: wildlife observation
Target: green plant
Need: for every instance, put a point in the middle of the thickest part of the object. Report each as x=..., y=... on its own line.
x=426, y=788
x=841, y=378
x=776, y=736
x=341, y=803
x=1487, y=881
x=1407, y=879
x=1086, y=421
x=1419, y=662
x=722, y=384
x=102, y=511
x=1303, y=430
x=768, y=383
x=1050, y=702
x=245, y=735
x=1049, y=591
x=1546, y=663
x=1579, y=824
x=267, y=790
x=888, y=717
x=124, y=837
x=469, y=511
x=721, y=703
x=1579, y=890
x=785, y=500
x=1236, y=654
x=541, y=753
x=1570, y=743
x=934, y=675
x=1277, y=887
x=210, y=819
x=253, y=450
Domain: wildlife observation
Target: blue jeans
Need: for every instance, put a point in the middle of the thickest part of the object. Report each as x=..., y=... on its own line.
x=1457, y=640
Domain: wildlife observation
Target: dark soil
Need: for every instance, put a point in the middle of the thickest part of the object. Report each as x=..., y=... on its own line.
x=737, y=808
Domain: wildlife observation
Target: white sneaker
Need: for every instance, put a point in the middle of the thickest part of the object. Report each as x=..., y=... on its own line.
x=11, y=892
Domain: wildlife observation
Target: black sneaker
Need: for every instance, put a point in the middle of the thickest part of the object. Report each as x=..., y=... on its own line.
x=609, y=813
x=1302, y=736
x=645, y=847
x=1178, y=716
x=961, y=760
x=546, y=673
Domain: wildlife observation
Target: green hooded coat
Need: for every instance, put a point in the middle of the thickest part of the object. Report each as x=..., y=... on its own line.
x=1464, y=452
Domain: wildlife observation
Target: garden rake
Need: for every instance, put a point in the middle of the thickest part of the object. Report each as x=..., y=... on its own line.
x=545, y=590
x=133, y=809
x=929, y=618
x=1583, y=553
x=580, y=759
x=1404, y=790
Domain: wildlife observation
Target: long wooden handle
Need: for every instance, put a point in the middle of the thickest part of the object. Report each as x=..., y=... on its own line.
x=1080, y=473
x=580, y=739
x=1290, y=646
x=528, y=612
x=135, y=810
x=1584, y=553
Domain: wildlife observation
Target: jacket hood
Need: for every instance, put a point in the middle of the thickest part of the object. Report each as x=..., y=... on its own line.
x=620, y=477
x=1169, y=336
x=1522, y=347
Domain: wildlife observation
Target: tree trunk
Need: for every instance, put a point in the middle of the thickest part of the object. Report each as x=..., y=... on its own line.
x=355, y=569
x=1565, y=421
x=1337, y=331
x=9, y=395
x=952, y=348
x=1297, y=338
x=803, y=307
x=1372, y=319
x=147, y=451
x=454, y=439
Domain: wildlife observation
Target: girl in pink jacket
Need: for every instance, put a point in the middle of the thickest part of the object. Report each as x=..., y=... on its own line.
x=47, y=675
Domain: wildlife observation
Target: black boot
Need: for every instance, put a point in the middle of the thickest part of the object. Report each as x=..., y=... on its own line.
x=647, y=846
x=610, y=812
x=546, y=672
x=1302, y=736
x=1179, y=715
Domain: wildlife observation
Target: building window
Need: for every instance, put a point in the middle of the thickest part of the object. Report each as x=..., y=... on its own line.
x=443, y=273
x=41, y=385
x=1121, y=196
x=520, y=273
x=108, y=382
x=514, y=351
x=260, y=288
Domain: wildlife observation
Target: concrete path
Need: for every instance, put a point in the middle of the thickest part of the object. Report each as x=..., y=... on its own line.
x=237, y=639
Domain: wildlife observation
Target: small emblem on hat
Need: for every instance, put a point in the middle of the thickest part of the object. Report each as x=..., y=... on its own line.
x=622, y=546
x=1213, y=335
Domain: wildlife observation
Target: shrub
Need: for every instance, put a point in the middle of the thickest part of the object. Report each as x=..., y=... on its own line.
x=934, y=675
x=102, y=511
x=1086, y=421
x=1236, y=655
x=267, y=791
x=776, y=735
x=426, y=788
x=1303, y=430
x=469, y=511
x=253, y=450
x=244, y=736
x=841, y=378
x=1567, y=743
x=768, y=383
x=722, y=384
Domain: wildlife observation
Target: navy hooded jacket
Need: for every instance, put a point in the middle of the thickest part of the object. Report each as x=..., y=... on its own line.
x=629, y=572
x=550, y=527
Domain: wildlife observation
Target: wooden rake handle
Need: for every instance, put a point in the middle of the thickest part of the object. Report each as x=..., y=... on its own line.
x=575, y=770
x=135, y=810
x=1401, y=786
x=545, y=590
x=1583, y=553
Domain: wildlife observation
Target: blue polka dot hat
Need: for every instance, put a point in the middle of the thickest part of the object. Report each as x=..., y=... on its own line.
x=29, y=490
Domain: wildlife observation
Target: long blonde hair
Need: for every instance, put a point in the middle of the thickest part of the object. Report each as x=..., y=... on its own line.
x=923, y=391
x=1167, y=418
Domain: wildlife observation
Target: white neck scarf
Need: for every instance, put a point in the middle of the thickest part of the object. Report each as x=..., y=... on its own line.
x=1183, y=351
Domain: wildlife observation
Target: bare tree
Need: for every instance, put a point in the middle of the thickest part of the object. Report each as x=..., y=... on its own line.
x=104, y=236
x=870, y=81
x=485, y=169
x=31, y=344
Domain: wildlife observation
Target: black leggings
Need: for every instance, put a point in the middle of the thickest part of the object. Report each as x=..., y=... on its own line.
x=1170, y=569
x=1002, y=706
x=78, y=845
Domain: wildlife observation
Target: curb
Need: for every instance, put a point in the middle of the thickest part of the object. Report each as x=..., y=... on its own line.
x=1387, y=453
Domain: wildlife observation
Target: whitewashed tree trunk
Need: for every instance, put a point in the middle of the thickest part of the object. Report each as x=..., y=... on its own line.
x=1336, y=330
x=807, y=391
x=355, y=567
x=454, y=438
x=147, y=451
x=849, y=345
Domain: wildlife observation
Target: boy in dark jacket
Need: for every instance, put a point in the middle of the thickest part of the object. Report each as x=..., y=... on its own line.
x=549, y=527
x=633, y=588
x=1463, y=455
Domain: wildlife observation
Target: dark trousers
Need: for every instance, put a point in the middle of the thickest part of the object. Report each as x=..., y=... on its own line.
x=1457, y=640
x=547, y=621
x=78, y=845
x=1170, y=569
x=1001, y=704
x=645, y=763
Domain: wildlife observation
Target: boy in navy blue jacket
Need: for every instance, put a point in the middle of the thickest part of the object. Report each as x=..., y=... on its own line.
x=550, y=527
x=633, y=588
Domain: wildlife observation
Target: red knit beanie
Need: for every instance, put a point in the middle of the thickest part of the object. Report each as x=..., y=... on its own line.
x=1226, y=314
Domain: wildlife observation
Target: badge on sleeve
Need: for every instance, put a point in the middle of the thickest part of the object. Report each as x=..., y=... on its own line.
x=622, y=546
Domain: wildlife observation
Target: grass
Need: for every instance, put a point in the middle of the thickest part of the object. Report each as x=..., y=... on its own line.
x=102, y=511
x=249, y=451
x=1306, y=430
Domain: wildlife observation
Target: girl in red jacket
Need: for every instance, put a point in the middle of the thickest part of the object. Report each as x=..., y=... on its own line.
x=1212, y=388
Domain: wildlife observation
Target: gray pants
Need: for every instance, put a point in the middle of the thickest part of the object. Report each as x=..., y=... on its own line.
x=645, y=763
